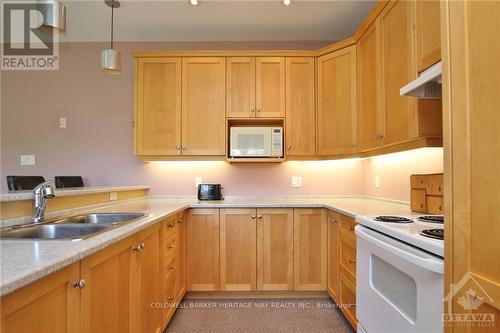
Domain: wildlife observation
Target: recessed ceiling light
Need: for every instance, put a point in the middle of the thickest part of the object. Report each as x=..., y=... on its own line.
x=194, y=2
x=287, y=2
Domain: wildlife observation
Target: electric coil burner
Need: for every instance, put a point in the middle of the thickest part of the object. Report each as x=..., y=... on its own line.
x=432, y=219
x=433, y=233
x=393, y=219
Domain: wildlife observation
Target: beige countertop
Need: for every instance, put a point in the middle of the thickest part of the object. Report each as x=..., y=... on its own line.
x=28, y=195
x=25, y=261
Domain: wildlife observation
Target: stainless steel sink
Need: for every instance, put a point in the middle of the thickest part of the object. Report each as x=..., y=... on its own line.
x=74, y=227
x=100, y=218
x=53, y=231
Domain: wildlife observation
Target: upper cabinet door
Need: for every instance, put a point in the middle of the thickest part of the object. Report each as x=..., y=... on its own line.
x=203, y=106
x=337, y=116
x=428, y=33
x=240, y=87
x=368, y=90
x=300, y=109
x=158, y=112
x=397, y=71
x=270, y=87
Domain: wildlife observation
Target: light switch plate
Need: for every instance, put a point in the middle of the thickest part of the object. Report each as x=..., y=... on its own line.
x=27, y=160
x=113, y=196
x=296, y=181
x=62, y=122
x=197, y=181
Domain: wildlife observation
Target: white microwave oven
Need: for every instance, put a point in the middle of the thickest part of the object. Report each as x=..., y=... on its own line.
x=256, y=141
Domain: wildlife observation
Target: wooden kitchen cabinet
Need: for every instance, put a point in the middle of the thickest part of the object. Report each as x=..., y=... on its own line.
x=337, y=115
x=270, y=87
x=310, y=249
x=49, y=305
x=348, y=299
x=333, y=282
x=347, y=254
x=105, y=300
x=369, y=111
x=202, y=250
x=203, y=106
x=300, y=107
x=240, y=87
x=238, y=252
x=274, y=249
x=180, y=257
x=428, y=33
x=158, y=110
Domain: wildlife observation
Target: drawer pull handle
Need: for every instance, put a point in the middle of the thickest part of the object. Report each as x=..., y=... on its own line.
x=138, y=247
x=171, y=267
x=335, y=221
x=180, y=221
x=351, y=228
x=80, y=283
x=352, y=261
x=172, y=225
x=171, y=247
x=171, y=298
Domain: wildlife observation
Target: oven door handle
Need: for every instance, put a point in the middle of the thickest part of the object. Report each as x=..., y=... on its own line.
x=426, y=262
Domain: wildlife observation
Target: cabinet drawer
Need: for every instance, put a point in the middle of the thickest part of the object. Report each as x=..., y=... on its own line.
x=170, y=226
x=434, y=185
x=348, y=259
x=348, y=299
x=418, y=181
x=170, y=267
x=434, y=205
x=347, y=224
x=418, y=201
x=169, y=247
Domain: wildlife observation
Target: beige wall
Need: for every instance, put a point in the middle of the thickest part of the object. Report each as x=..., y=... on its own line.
x=97, y=143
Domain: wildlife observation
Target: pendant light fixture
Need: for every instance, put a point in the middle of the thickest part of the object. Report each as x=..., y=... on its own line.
x=110, y=58
x=54, y=17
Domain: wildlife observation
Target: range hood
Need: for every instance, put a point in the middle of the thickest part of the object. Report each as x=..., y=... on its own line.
x=427, y=85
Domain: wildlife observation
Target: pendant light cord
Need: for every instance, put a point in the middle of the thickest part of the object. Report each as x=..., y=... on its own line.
x=112, y=23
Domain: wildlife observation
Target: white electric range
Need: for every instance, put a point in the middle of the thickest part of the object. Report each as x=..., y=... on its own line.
x=400, y=266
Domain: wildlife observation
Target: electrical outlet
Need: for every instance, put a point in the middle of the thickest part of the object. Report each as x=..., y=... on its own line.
x=198, y=180
x=27, y=159
x=62, y=122
x=377, y=182
x=296, y=181
x=113, y=196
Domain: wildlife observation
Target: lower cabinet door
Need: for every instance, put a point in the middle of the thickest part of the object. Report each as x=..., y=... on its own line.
x=274, y=249
x=202, y=250
x=238, y=253
x=106, y=296
x=50, y=305
x=348, y=299
x=310, y=245
x=146, y=290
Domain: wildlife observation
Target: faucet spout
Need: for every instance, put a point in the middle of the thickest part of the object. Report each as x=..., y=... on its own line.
x=41, y=194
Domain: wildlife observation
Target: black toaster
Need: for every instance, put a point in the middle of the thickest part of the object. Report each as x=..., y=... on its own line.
x=209, y=192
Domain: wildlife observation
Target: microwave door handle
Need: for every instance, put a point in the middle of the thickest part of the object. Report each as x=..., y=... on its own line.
x=430, y=264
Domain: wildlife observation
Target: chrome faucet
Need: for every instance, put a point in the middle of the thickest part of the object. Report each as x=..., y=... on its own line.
x=41, y=194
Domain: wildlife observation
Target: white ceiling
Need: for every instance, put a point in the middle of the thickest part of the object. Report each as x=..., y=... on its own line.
x=215, y=20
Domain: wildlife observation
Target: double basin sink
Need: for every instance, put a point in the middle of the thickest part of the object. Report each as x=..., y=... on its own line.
x=70, y=228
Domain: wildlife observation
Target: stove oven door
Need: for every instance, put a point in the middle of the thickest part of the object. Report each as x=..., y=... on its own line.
x=399, y=288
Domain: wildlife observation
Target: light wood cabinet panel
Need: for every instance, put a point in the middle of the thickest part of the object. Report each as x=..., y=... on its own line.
x=158, y=109
x=238, y=241
x=274, y=249
x=105, y=300
x=310, y=249
x=240, y=87
x=202, y=250
x=348, y=300
x=50, y=305
x=471, y=87
x=180, y=257
x=146, y=281
x=333, y=282
x=428, y=33
x=337, y=115
x=396, y=37
x=203, y=106
x=270, y=87
x=300, y=107
x=369, y=113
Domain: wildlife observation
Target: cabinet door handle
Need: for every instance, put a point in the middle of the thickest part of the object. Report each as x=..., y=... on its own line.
x=171, y=225
x=171, y=247
x=142, y=246
x=80, y=283
x=171, y=268
x=259, y=216
x=288, y=147
x=258, y=110
x=178, y=147
x=171, y=298
x=136, y=248
x=253, y=217
x=335, y=221
x=180, y=221
x=351, y=228
x=352, y=261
